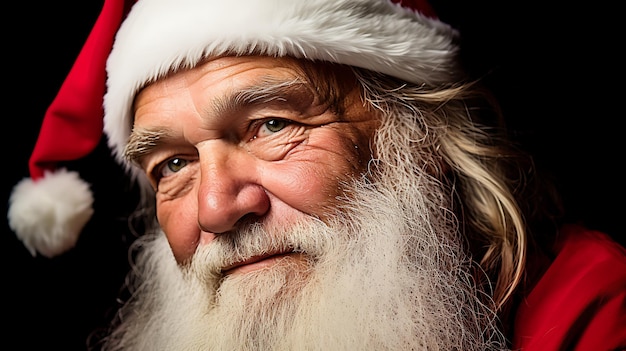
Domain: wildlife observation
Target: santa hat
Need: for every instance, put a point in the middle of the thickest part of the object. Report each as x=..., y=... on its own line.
x=401, y=38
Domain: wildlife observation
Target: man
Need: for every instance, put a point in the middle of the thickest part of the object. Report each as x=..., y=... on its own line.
x=324, y=176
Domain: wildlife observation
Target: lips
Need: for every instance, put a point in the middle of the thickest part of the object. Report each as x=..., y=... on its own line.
x=254, y=263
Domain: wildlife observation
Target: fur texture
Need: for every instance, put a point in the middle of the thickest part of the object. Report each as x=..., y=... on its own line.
x=47, y=215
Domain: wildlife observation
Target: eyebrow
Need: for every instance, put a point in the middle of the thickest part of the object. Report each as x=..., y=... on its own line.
x=267, y=91
x=143, y=142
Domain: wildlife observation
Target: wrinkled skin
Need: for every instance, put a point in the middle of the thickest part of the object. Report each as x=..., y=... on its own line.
x=224, y=160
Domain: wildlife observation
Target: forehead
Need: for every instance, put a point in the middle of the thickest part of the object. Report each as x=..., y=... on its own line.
x=328, y=81
x=224, y=66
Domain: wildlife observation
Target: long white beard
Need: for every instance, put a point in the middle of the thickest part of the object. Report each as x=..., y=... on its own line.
x=386, y=275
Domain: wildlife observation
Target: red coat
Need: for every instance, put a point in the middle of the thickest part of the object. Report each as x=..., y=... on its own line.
x=579, y=303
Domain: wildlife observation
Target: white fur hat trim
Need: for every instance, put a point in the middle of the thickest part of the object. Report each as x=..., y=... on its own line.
x=48, y=214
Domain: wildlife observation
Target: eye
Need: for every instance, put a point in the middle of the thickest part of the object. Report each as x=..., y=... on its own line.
x=172, y=166
x=272, y=126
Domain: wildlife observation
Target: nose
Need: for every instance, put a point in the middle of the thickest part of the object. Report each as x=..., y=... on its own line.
x=230, y=188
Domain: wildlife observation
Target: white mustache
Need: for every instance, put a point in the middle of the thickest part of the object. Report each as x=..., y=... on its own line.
x=251, y=241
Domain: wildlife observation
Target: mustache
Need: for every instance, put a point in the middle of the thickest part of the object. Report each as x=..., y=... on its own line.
x=256, y=239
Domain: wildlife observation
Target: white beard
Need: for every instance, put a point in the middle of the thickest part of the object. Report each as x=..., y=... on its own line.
x=386, y=275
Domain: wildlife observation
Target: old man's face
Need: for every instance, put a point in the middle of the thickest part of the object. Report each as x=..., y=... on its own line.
x=284, y=232
x=249, y=140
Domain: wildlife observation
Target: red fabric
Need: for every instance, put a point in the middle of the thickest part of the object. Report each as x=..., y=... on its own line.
x=421, y=6
x=579, y=303
x=72, y=125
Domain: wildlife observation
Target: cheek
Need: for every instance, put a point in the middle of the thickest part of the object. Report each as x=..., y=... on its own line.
x=179, y=220
x=311, y=181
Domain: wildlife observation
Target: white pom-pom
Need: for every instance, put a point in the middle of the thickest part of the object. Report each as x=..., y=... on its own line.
x=48, y=215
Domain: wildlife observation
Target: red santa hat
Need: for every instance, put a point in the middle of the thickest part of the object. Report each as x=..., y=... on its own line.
x=401, y=38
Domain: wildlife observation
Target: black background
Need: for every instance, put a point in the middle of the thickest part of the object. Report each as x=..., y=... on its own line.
x=555, y=68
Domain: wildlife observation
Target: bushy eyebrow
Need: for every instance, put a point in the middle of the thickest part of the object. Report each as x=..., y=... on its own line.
x=142, y=142
x=267, y=91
